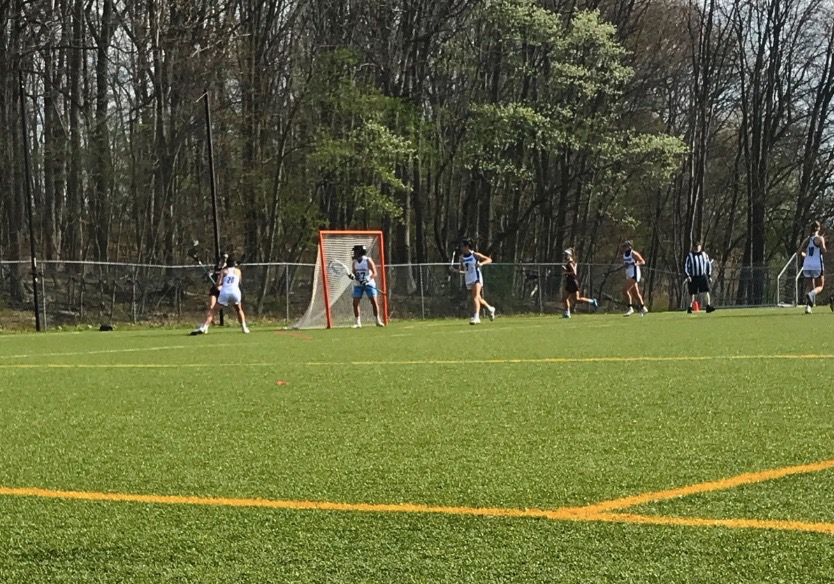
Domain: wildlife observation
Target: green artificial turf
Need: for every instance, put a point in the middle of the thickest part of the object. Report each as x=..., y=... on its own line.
x=437, y=413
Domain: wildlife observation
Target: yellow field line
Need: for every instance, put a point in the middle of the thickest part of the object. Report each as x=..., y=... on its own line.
x=114, y=351
x=811, y=527
x=545, y=360
x=596, y=512
x=124, y=365
x=542, y=360
x=282, y=503
x=707, y=487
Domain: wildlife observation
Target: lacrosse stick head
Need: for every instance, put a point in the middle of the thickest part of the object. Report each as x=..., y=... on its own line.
x=192, y=251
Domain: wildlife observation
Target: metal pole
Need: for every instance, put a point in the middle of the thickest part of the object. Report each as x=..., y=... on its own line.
x=213, y=185
x=422, y=295
x=27, y=173
x=287, y=290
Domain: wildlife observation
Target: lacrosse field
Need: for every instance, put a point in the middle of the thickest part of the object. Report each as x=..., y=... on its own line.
x=669, y=448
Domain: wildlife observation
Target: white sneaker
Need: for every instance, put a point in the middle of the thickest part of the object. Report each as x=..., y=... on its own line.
x=644, y=311
x=379, y=323
x=198, y=331
x=629, y=312
x=808, y=309
x=566, y=315
x=475, y=320
x=356, y=325
x=245, y=329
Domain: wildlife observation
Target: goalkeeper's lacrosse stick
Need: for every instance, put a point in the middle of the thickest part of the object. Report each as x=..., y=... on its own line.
x=192, y=254
x=338, y=268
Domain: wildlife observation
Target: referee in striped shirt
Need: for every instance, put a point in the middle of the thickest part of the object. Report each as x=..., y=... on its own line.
x=698, y=270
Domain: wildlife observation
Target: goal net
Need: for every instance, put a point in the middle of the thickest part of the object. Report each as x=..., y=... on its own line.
x=788, y=283
x=331, y=304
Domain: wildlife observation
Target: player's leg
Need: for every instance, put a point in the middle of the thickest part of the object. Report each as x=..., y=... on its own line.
x=374, y=298
x=819, y=284
x=566, y=297
x=241, y=317
x=212, y=313
x=627, y=291
x=357, y=317
x=810, y=286
x=475, y=292
x=583, y=300
x=213, y=294
x=639, y=297
x=489, y=308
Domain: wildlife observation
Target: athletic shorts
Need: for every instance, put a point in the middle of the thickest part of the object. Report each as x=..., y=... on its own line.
x=699, y=285
x=811, y=274
x=470, y=285
x=370, y=290
x=214, y=292
x=227, y=298
x=571, y=286
x=633, y=273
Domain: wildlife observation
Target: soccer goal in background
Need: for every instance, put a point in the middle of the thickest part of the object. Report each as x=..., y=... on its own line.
x=788, y=283
x=331, y=304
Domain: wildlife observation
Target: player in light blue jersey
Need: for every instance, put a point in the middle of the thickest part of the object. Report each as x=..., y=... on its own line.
x=471, y=263
x=364, y=275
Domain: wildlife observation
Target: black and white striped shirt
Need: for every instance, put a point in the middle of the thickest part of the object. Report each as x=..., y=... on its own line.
x=697, y=264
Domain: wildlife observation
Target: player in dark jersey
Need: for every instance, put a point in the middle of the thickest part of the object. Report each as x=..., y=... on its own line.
x=571, y=296
x=214, y=291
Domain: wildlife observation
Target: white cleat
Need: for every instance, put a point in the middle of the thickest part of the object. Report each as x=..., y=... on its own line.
x=356, y=325
x=629, y=312
x=492, y=313
x=245, y=330
x=199, y=331
x=475, y=320
x=808, y=309
x=644, y=311
x=379, y=323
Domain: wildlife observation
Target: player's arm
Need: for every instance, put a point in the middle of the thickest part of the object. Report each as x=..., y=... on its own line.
x=372, y=267
x=822, y=244
x=801, y=251
x=638, y=259
x=687, y=268
x=482, y=259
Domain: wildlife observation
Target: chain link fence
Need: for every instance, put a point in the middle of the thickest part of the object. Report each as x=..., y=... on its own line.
x=94, y=293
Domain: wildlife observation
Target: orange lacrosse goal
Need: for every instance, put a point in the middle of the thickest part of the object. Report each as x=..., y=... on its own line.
x=331, y=304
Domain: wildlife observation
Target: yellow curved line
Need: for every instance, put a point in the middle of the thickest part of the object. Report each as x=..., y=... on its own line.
x=707, y=487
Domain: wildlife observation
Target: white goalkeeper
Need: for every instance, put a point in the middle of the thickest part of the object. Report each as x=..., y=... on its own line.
x=364, y=276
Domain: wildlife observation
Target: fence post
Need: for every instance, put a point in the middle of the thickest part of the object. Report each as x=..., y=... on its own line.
x=541, y=285
x=43, y=296
x=287, y=290
x=422, y=295
x=133, y=298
